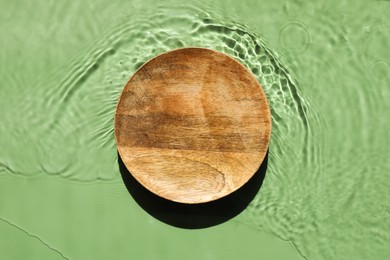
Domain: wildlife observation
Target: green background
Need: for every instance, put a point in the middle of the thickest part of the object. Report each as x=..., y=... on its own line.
x=325, y=68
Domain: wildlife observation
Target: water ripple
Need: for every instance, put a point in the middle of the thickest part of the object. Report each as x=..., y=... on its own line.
x=73, y=110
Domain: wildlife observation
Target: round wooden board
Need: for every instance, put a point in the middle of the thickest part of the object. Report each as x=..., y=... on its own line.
x=192, y=125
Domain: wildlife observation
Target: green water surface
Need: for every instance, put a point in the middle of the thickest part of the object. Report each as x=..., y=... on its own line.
x=325, y=68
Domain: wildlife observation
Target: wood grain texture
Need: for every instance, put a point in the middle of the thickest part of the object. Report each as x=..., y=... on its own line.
x=192, y=125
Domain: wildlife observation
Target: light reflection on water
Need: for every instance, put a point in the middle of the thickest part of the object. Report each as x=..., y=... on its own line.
x=326, y=185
